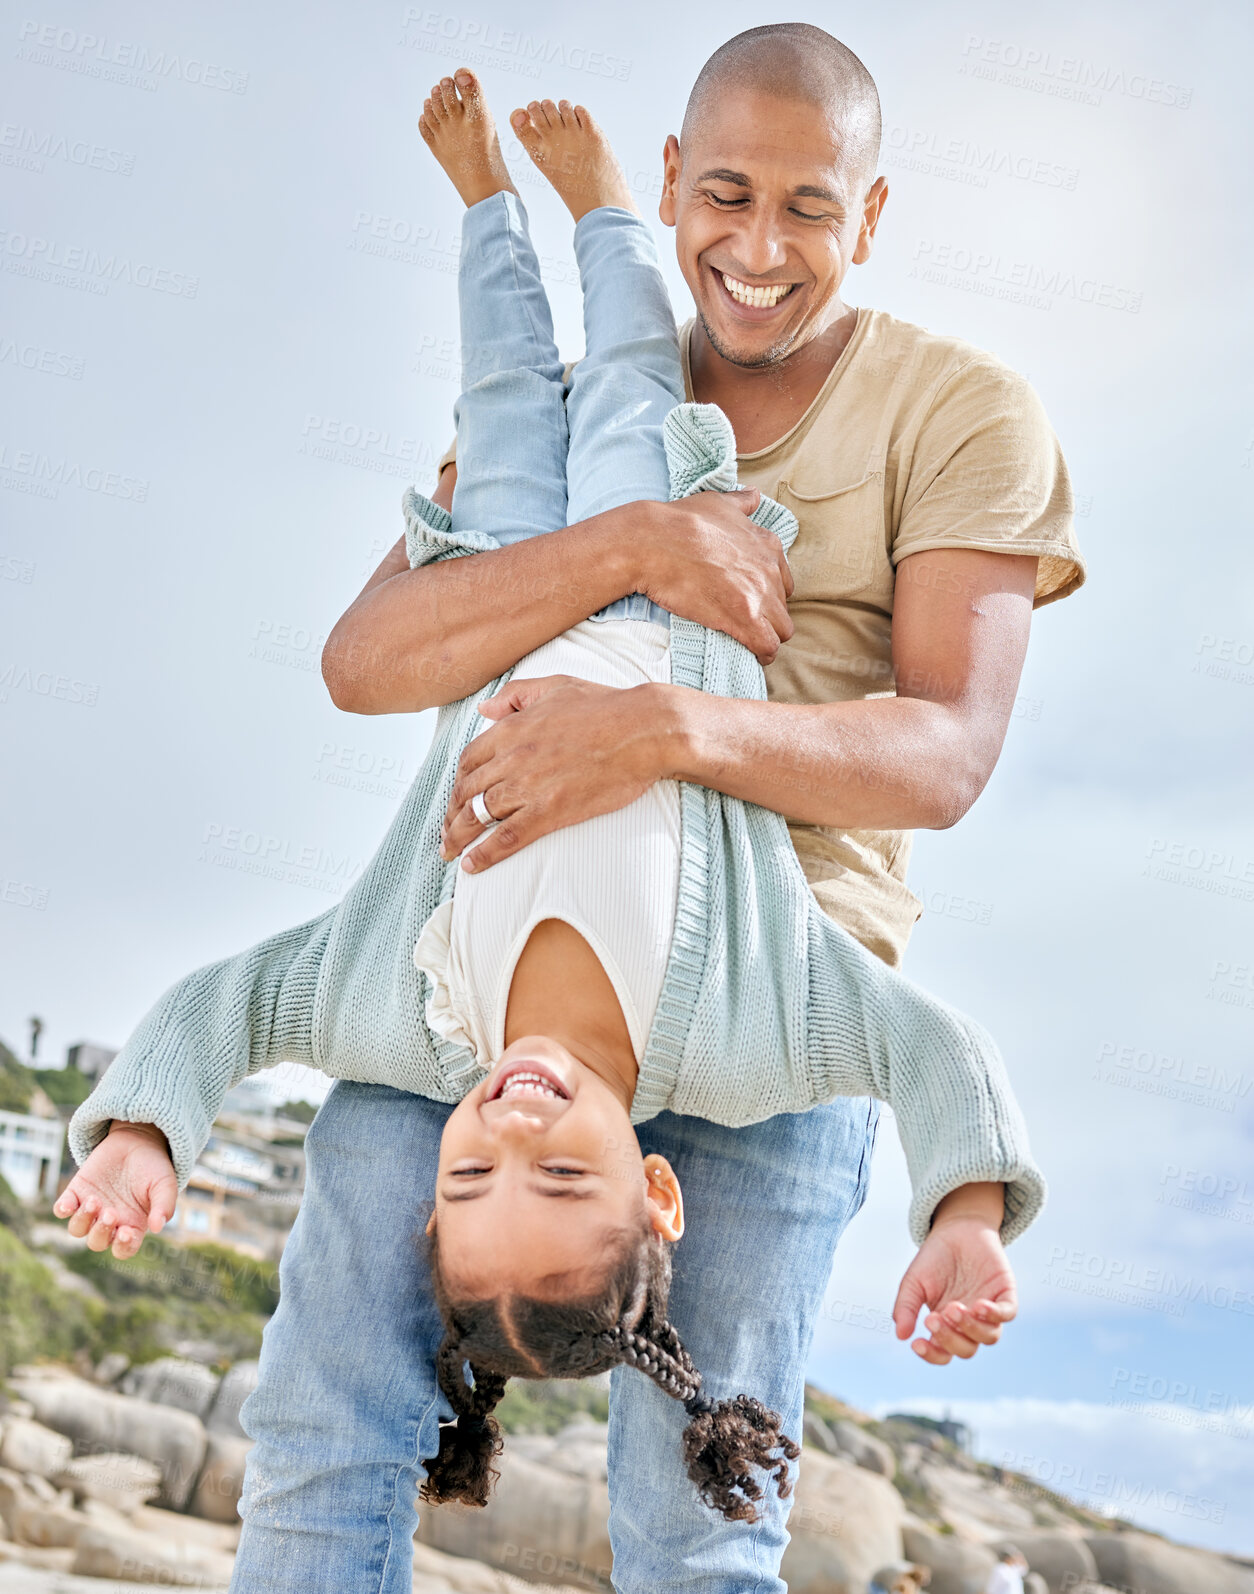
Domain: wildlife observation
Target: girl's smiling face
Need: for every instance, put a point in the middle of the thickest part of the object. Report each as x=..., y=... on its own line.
x=539, y=1166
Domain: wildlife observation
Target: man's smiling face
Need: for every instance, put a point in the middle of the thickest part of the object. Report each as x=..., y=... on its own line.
x=770, y=210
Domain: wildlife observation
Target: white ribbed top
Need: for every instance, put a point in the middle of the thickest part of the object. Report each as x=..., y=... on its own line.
x=614, y=878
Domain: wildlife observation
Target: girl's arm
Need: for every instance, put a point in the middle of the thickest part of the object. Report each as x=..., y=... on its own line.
x=208, y=1032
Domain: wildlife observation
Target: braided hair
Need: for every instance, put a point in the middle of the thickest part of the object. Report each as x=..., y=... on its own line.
x=726, y=1443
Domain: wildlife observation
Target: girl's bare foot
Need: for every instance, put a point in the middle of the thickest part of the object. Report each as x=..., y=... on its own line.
x=574, y=154
x=459, y=131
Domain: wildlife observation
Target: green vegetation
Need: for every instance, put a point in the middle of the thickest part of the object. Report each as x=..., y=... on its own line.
x=142, y=1307
x=546, y=1405
x=302, y=1112
x=65, y=1086
x=37, y=1317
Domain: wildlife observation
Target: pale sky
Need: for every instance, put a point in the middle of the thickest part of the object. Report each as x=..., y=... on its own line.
x=228, y=343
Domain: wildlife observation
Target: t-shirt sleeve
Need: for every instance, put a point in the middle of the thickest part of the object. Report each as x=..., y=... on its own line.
x=988, y=473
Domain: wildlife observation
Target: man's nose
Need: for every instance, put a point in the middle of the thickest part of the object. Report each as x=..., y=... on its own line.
x=759, y=245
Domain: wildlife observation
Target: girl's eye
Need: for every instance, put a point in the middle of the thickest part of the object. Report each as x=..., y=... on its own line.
x=566, y=1172
x=465, y=1173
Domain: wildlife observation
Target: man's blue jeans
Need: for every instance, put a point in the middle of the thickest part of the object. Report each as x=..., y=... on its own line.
x=347, y=1406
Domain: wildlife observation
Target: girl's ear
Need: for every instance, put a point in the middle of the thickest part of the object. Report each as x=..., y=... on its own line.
x=430, y=1228
x=665, y=1198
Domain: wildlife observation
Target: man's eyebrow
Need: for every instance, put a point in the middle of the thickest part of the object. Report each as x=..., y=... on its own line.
x=723, y=174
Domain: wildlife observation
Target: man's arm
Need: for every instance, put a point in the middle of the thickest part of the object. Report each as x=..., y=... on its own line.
x=563, y=751
x=416, y=639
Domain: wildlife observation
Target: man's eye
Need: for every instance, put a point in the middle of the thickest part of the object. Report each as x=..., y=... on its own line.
x=727, y=203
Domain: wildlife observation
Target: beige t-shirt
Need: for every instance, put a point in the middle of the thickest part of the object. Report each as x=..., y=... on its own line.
x=915, y=441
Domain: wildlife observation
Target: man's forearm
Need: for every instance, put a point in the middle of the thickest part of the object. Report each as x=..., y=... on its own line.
x=417, y=639
x=894, y=763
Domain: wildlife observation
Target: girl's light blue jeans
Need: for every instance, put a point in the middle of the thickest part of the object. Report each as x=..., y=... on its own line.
x=532, y=454
x=347, y=1406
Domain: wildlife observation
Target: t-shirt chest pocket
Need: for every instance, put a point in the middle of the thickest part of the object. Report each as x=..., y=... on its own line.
x=842, y=545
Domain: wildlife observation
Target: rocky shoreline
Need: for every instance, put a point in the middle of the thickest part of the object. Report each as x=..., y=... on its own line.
x=130, y=1477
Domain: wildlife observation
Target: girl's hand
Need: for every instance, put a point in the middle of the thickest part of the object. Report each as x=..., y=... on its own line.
x=962, y=1274
x=126, y=1188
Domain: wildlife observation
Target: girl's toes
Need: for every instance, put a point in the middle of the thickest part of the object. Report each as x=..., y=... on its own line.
x=432, y=106
x=425, y=129
x=448, y=93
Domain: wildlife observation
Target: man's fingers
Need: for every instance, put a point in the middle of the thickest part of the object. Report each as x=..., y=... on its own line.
x=508, y=837
x=785, y=569
x=747, y=498
x=465, y=826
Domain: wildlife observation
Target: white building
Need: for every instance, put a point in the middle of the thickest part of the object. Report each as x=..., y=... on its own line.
x=30, y=1154
x=89, y=1058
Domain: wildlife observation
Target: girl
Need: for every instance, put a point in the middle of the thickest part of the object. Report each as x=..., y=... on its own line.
x=667, y=955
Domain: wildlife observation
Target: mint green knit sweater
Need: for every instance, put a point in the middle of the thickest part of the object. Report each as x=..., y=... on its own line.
x=767, y=1006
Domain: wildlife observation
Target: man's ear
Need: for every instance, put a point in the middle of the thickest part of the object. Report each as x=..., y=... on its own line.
x=872, y=208
x=671, y=166
x=665, y=1198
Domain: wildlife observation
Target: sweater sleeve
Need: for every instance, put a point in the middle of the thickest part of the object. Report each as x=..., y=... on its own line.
x=872, y=1032
x=206, y=1034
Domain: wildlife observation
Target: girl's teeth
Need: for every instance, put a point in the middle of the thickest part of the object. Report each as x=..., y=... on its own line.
x=523, y=1084
x=759, y=298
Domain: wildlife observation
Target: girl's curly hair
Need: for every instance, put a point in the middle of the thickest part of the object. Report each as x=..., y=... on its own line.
x=726, y=1442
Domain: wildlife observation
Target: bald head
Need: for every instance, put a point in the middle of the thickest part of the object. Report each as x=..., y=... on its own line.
x=796, y=61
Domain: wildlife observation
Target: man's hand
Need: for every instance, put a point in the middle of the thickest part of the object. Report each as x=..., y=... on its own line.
x=702, y=558
x=125, y=1188
x=962, y=1275
x=562, y=750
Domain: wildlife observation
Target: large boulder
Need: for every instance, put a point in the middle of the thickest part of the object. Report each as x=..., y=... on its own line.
x=541, y=1524
x=958, y=1566
x=436, y=1573
x=101, y=1422
x=238, y=1382
x=121, y=1481
x=1062, y=1560
x=1142, y=1564
x=547, y=1520
x=173, y=1381
x=864, y=1449
x=27, y=1446
x=846, y=1522
x=145, y=1558
x=221, y=1478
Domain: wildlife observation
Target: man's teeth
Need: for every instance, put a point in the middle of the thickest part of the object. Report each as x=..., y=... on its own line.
x=526, y=1084
x=760, y=298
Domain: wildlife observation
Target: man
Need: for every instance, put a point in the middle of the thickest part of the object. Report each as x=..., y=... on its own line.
x=934, y=509
x=1007, y=1576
